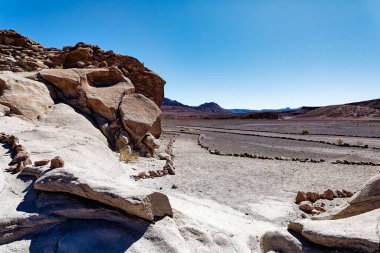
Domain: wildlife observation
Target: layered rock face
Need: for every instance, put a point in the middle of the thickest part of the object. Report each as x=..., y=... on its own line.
x=115, y=91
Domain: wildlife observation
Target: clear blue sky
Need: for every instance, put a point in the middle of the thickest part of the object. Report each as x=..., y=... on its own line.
x=240, y=54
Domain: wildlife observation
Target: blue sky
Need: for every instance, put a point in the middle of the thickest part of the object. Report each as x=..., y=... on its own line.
x=240, y=54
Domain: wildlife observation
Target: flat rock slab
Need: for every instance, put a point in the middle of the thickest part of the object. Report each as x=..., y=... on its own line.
x=140, y=202
x=360, y=232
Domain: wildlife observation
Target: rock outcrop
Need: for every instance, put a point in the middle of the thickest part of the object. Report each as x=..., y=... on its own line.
x=72, y=106
x=86, y=77
x=22, y=54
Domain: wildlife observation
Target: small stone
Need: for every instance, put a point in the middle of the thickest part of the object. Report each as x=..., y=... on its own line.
x=142, y=174
x=20, y=156
x=320, y=209
x=57, y=162
x=42, y=162
x=348, y=193
x=313, y=196
x=340, y=194
x=153, y=173
x=329, y=194
x=301, y=196
x=306, y=208
x=174, y=186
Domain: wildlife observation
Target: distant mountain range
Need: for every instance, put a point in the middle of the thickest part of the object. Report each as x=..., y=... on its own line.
x=241, y=111
x=215, y=108
x=369, y=109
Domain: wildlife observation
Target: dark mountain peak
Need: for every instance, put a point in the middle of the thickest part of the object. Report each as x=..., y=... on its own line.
x=169, y=102
x=212, y=107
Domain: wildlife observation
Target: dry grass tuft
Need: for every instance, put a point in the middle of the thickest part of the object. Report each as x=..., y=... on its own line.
x=339, y=141
x=127, y=155
x=305, y=132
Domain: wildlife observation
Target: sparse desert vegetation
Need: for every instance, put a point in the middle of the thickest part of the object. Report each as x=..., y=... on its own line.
x=339, y=141
x=126, y=155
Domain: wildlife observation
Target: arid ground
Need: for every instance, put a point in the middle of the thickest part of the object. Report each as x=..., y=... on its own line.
x=260, y=193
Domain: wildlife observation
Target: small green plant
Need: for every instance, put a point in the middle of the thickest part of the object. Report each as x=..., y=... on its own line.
x=339, y=142
x=127, y=155
x=305, y=132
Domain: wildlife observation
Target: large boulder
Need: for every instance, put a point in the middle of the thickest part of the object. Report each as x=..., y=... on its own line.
x=66, y=80
x=25, y=97
x=100, y=90
x=138, y=114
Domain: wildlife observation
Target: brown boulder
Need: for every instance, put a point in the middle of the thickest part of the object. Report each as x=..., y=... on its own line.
x=138, y=114
x=66, y=80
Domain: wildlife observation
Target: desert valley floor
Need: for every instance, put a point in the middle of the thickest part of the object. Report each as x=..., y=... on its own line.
x=248, y=196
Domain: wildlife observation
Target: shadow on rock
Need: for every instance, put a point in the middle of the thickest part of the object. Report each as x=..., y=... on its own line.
x=66, y=223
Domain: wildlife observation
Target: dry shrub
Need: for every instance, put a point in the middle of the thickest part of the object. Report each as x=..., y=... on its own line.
x=304, y=132
x=169, y=151
x=360, y=143
x=339, y=141
x=127, y=155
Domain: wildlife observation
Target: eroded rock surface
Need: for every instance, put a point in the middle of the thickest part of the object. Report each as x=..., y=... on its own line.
x=24, y=97
x=138, y=114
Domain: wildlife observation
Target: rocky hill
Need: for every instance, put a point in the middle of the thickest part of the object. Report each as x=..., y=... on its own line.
x=174, y=109
x=359, y=110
